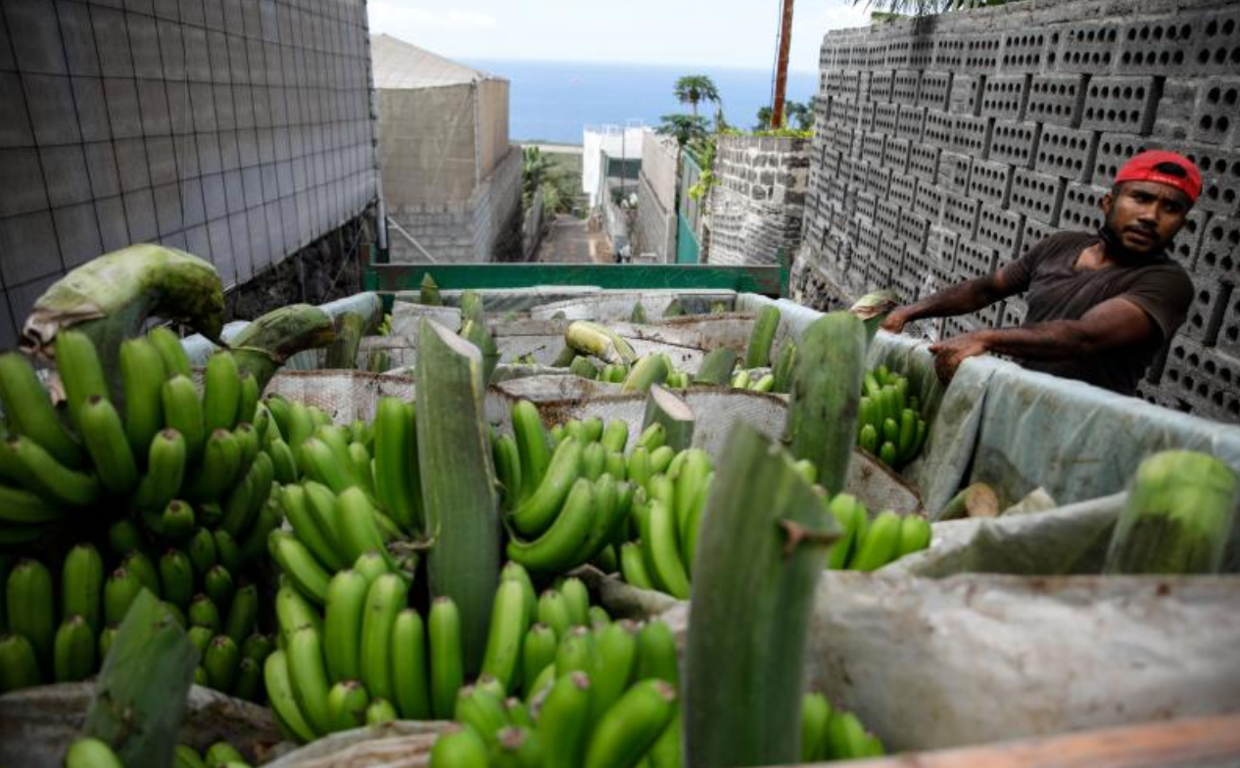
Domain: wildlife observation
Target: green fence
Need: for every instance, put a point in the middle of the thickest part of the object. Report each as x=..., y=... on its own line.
x=687, y=248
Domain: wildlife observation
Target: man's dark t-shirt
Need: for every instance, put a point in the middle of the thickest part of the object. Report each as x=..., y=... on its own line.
x=1059, y=291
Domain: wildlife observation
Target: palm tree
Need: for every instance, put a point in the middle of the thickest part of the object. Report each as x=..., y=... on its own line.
x=692, y=89
x=892, y=10
x=686, y=128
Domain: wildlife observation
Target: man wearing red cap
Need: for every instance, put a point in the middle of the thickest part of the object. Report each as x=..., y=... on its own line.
x=1102, y=304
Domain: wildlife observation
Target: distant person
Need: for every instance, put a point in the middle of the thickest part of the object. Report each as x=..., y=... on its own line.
x=1102, y=304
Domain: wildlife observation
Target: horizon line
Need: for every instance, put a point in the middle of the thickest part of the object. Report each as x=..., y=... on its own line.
x=651, y=64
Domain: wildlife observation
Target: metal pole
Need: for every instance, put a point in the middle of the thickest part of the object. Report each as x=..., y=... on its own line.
x=781, y=66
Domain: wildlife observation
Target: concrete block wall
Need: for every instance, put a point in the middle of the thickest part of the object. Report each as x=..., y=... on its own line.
x=1009, y=125
x=467, y=230
x=238, y=130
x=756, y=208
x=655, y=231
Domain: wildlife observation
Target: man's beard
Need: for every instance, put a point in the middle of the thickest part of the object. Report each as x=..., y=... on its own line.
x=1116, y=249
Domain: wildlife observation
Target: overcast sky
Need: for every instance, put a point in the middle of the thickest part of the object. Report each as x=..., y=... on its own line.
x=738, y=33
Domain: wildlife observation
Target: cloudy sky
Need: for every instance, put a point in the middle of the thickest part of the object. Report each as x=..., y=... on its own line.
x=738, y=33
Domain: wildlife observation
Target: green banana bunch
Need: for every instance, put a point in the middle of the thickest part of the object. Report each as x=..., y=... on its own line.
x=890, y=425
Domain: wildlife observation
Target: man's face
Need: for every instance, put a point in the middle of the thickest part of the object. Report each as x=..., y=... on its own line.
x=1145, y=215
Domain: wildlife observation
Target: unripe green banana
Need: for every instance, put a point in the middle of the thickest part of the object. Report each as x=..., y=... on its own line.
x=537, y=653
x=656, y=653
x=541, y=684
x=385, y=600
x=282, y=459
x=221, y=661
x=276, y=678
x=309, y=677
x=201, y=637
x=46, y=476
x=577, y=598
x=176, y=362
x=598, y=617
x=176, y=574
x=300, y=427
x=395, y=449
x=19, y=665
x=380, y=711
x=218, y=585
x=141, y=567
x=177, y=614
x=915, y=535
x=879, y=546
x=593, y=461
x=346, y=705
x=305, y=525
x=509, y=619
x=81, y=585
x=516, y=747
x=104, y=436
x=299, y=565
x=539, y=510
x=615, y=658
x=257, y=646
x=846, y=737
x=633, y=566
x=91, y=753
x=221, y=459
x=661, y=459
x=247, y=403
x=481, y=710
x=203, y=612
x=165, y=471
x=558, y=548
x=177, y=521
x=518, y=713
x=320, y=463
x=632, y=725
x=249, y=682
x=200, y=676
x=106, y=638
x=123, y=537
x=20, y=508
x=187, y=757
x=254, y=544
x=532, y=449
x=615, y=435
x=815, y=714
x=294, y=611
x=202, y=552
x=459, y=749
x=851, y=516
x=342, y=626
x=664, y=550
x=242, y=614
x=410, y=681
x=119, y=592
x=554, y=612
x=28, y=411
x=490, y=684
x=247, y=500
x=652, y=437
x=221, y=392
x=564, y=721
x=30, y=602
x=513, y=571
x=81, y=373
x=507, y=470
x=357, y=528
x=359, y=460
x=221, y=754
x=692, y=523
x=183, y=412
x=639, y=470
x=575, y=652
x=616, y=466
x=446, y=656
x=372, y=565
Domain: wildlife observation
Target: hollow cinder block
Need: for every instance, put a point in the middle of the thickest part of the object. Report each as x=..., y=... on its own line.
x=895, y=155
x=1000, y=229
x=1220, y=178
x=1080, y=211
x=960, y=215
x=965, y=97
x=971, y=135
x=1089, y=47
x=1032, y=233
x=1004, y=96
x=1216, y=114
x=1024, y=50
x=1066, y=152
x=905, y=87
x=1160, y=46
x=973, y=259
x=903, y=190
x=929, y=201
x=1125, y=104
x=935, y=90
x=910, y=123
x=954, y=172
x=1206, y=313
x=913, y=230
x=887, y=217
x=1215, y=50
x=1218, y=255
x=886, y=117
x=1115, y=149
x=981, y=53
x=1014, y=143
x=1056, y=99
x=939, y=129
x=923, y=162
x=872, y=147
x=991, y=182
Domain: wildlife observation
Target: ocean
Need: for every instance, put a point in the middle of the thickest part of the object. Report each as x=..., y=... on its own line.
x=554, y=101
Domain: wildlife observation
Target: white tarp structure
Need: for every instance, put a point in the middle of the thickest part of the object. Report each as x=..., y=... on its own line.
x=611, y=141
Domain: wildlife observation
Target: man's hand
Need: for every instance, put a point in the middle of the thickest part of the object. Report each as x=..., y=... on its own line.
x=950, y=353
x=895, y=320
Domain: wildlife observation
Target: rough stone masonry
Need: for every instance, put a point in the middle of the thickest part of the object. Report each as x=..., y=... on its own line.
x=947, y=145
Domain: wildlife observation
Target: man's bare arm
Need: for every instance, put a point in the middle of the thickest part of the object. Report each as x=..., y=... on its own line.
x=958, y=299
x=1112, y=324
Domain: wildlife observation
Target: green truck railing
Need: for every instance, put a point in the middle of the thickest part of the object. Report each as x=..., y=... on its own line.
x=767, y=280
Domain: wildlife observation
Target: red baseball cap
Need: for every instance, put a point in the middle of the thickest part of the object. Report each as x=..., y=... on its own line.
x=1144, y=167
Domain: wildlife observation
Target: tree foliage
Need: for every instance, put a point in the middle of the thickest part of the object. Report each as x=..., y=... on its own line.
x=694, y=89
x=685, y=128
x=538, y=171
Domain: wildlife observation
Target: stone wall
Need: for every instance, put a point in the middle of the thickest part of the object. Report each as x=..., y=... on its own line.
x=655, y=232
x=240, y=131
x=949, y=145
x=476, y=229
x=757, y=205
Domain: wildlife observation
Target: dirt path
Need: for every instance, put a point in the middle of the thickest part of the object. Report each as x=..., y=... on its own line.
x=571, y=240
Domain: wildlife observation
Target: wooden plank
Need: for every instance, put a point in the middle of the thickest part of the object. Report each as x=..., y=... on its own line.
x=1205, y=742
